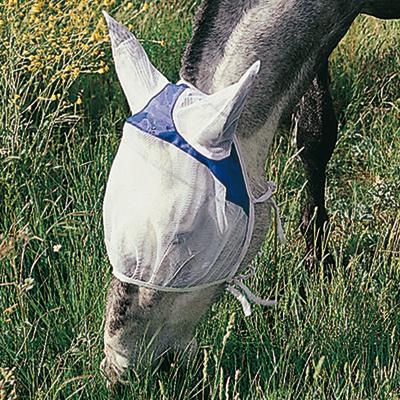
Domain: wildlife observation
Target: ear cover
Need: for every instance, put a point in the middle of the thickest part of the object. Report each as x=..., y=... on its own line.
x=139, y=79
x=209, y=122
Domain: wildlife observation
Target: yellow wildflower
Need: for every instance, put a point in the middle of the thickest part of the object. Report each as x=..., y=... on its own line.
x=37, y=7
x=95, y=37
x=75, y=72
x=146, y=6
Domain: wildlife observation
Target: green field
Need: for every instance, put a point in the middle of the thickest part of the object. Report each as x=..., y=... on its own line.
x=62, y=113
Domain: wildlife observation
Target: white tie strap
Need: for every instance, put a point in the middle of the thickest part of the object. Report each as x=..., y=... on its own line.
x=247, y=297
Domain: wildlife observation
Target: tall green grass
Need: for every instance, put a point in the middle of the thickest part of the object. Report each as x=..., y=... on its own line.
x=339, y=339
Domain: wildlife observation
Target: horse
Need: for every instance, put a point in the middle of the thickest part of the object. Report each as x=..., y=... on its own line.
x=293, y=40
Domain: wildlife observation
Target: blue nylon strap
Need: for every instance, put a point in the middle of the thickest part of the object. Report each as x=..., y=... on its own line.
x=156, y=119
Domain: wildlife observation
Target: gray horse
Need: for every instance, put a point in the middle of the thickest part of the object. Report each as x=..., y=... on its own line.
x=293, y=40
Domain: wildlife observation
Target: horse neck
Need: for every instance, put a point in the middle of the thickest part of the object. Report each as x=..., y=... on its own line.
x=290, y=37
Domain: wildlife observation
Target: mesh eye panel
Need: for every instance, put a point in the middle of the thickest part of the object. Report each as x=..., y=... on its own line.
x=173, y=218
x=168, y=227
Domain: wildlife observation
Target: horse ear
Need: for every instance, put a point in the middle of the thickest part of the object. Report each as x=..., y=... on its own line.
x=209, y=123
x=139, y=79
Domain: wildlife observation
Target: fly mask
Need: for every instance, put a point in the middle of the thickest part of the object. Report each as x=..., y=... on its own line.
x=178, y=211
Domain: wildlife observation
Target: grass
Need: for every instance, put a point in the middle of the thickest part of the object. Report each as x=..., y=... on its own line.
x=58, y=134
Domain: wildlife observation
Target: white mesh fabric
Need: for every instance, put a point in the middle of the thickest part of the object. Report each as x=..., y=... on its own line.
x=167, y=222
x=193, y=116
x=139, y=79
x=208, y=122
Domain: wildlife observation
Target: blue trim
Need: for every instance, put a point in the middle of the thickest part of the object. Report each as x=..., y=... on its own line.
x=156, y=119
